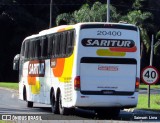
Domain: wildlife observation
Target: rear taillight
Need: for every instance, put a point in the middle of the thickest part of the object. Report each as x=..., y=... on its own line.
x=137, y=84
x=77, y=83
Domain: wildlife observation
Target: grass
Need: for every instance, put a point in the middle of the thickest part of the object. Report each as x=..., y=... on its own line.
x=2, y=121
x=154, y=101
x=10, y=85
x=142, y=86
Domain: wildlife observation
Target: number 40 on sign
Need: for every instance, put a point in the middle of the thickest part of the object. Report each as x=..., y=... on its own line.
x=150, y=75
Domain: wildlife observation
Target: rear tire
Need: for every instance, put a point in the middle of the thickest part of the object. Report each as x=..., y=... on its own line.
x=29, y=104
x=54, y=104
x=24, y=94
x=62, y=110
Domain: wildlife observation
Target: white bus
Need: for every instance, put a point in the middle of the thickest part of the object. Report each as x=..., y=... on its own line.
x=87, y=65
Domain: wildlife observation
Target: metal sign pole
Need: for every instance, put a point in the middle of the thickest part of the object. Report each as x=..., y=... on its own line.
x=108, y=10
x=50, y=22
x=151, y=61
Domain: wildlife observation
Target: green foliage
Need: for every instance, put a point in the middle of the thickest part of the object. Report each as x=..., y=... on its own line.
x=96, y=13
x=157, y=44
x=145, y=38
x=83, y=14
x=138, y=4
x=139, y=18
x=64, y=17
x=158, y=35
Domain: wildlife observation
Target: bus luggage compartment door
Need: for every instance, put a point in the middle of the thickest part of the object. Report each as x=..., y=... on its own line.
x=107, y=76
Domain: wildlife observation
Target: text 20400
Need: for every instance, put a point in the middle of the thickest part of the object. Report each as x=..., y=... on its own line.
x=111, y=33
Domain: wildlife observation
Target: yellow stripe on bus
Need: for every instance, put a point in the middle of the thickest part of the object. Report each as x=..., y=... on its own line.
x=35, y=89
x=107, y=52
x=67, y=71
x=69, y=28
x=66, y=28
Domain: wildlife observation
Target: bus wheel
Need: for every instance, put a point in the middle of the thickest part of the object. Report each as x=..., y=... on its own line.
x=62, y=110
x=24, y=93
x=54, y=104
x=29, y=104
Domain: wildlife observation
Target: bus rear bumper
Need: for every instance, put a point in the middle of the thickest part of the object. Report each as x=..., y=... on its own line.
x=106, y=101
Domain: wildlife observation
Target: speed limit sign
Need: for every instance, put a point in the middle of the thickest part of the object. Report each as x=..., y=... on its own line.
x=150, y=75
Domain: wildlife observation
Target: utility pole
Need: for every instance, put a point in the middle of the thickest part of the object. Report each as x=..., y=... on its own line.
x=108, y=10
x=50, y=22
x=151, y=61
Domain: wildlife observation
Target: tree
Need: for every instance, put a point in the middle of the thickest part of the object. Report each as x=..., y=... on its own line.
x=139, y=4
x=139, y=18
x=95, y=13
x=157, y=44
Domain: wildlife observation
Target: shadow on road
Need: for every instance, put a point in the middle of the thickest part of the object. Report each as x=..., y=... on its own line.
x=90, y=114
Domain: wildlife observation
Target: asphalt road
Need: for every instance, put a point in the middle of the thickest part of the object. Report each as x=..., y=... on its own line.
x=10, y=104
x=152, y=91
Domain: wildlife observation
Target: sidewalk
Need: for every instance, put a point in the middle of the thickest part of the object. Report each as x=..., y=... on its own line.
x=143, y=111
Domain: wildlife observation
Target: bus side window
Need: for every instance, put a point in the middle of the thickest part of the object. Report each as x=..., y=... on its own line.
x=70, y=42
x=54, y=46
x=27, y=49
x=23, y=49
x=31, y=49
x=38, y=49
x=34, y=49
x=63, y=44
x=44, y=45
x=50, y=45
x=57, y=45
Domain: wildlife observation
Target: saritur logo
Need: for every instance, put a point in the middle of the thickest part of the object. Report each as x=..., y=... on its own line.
x=36, y=68
x=87, y=42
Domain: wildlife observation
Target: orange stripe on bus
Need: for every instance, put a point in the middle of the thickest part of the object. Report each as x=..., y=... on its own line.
x=58, y=69
x=31, y=80
x=61, y=30
x=66, y=28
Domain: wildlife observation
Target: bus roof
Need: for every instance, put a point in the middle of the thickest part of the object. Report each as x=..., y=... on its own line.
x=68, y=27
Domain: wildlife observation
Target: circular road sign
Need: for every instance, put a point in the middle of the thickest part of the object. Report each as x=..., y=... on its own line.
x=150, y=75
